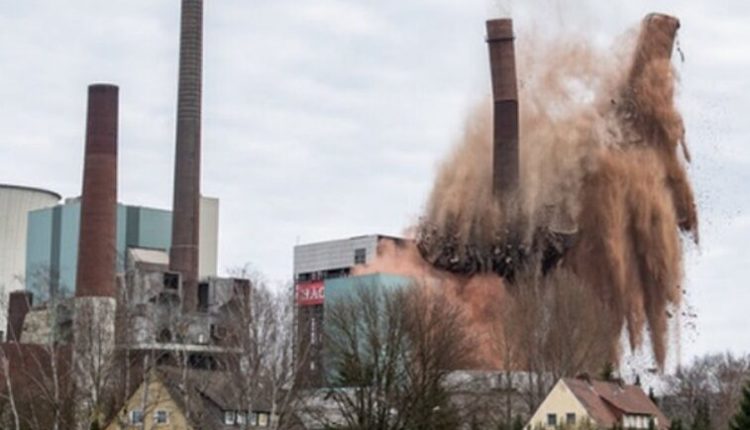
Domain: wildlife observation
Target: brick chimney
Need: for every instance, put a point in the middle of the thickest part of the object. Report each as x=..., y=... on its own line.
x=505, y=156
x=97, y=253
x=183, y=255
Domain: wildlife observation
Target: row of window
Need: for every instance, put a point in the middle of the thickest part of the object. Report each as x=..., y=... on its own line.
x=629, y=421
x=260, y=419
x=570, y=419
x=638, y=421
x=160, y=417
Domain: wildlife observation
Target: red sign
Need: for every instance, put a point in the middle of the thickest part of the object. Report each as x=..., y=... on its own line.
x=310, y=293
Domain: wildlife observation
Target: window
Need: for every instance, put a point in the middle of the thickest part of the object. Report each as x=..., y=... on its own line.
x=171, y=280
x=552, y=420
x=161, y=417
x=203, y=297
x=229, y=417
x=253, y=419
x=360, y=256
x=241, y=417
x=136, y=417
x=263, y=419
x=570, y=418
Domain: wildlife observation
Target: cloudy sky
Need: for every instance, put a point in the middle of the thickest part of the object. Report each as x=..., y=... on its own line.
x=326, y=118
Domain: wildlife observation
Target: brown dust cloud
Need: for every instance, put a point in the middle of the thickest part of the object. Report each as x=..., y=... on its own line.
x=603, y=164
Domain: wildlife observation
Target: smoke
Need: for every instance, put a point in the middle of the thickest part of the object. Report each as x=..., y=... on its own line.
x=602, y=161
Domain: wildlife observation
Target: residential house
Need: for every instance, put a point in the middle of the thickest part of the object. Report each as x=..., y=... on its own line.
x=601, y=404
x=190, y=399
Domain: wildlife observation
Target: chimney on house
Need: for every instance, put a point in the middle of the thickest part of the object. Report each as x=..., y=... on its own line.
x=19, y=304
x=505, y=156
x=183, y=255
x=97, y=241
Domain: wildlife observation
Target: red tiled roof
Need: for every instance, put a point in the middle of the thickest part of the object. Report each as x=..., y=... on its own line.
x=606, y=402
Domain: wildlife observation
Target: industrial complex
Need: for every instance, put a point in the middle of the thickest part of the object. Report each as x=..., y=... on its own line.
x=90, y=281
x=113, y=280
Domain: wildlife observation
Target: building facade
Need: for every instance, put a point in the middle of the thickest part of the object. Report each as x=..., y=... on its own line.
x=15, y=204
x=53, y=233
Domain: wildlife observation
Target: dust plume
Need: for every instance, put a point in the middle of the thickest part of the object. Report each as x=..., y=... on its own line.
x=480, y=296
x=602, y=166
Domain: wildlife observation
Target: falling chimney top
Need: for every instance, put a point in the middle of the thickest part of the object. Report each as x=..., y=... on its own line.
x=186, y=199
x=96, y=247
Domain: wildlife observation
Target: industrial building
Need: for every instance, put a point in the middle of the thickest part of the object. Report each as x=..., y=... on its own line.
x=326, y=273
x=15, y=204
x=136, y=285
x=53, y=233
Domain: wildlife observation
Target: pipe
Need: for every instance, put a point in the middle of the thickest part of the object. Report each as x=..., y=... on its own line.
x=186, y=200
x=97, y=252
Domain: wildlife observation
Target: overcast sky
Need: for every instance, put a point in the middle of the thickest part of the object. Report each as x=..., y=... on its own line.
x=326, y=118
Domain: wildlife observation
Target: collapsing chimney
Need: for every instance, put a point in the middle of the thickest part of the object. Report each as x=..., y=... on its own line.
x=505, y=157
x=650, y=72
x=96, y=247
x=502, y=250
x=183, y=256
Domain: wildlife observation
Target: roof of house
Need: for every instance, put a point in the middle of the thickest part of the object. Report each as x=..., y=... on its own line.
x=607, y=401
x=209, y=394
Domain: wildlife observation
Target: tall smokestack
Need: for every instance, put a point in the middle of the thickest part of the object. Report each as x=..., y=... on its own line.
x=96, y=246
x=183, y=256
x=505, y=157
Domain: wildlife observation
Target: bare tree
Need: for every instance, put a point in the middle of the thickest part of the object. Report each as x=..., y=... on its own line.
x=388, y=354
x=551, y=327
x=258, y=323
x=712, y=382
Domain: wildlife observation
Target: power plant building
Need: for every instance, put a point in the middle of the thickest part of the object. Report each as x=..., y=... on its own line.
x=51, y=256
x=326, y=273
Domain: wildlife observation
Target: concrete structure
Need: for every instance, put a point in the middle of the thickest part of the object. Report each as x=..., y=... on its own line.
x=602, y=404
x=15, y=204
x=505, y=156
x=184, y=253
x=52, y=252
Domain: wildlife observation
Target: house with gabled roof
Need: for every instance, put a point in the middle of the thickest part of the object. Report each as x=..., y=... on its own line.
x=601, y=404
x=190, y=399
